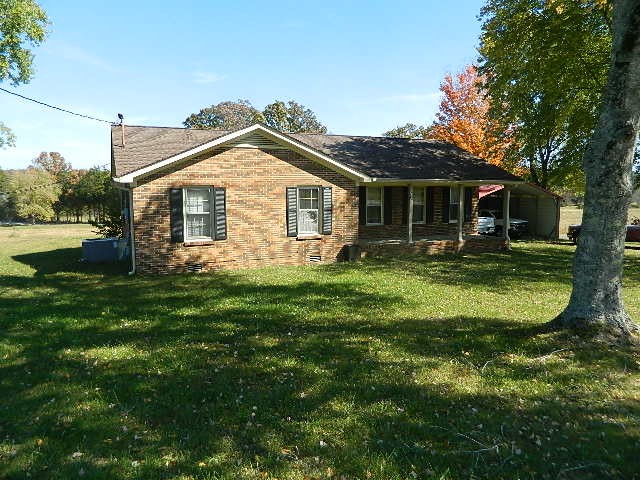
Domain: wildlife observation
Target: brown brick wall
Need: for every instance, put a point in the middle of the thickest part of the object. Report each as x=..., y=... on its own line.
x=255, y=182
x=399, y=230
x=481, y=244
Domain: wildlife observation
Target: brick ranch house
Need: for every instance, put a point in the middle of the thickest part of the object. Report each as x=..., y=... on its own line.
x=206, y=199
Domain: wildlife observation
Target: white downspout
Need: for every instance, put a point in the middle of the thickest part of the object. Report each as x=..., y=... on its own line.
x=131, y=234
x=410, y=216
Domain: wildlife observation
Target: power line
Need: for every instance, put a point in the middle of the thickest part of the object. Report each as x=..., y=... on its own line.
x=54, y=107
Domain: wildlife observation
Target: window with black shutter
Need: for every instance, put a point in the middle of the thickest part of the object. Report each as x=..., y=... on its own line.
x=198, y=214
x=374, y=205
x=292, y=211
x=468, y=199
x=309, y=211
x=446, y=194
x=431, y=206
x=176, y=219
x=327, y=210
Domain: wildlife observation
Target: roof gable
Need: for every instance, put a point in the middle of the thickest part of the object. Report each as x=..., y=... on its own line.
x=260, y=135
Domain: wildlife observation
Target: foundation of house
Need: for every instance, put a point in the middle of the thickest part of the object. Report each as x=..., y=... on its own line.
x=432, y=246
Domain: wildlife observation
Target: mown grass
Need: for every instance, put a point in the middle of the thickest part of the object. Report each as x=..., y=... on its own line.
x=416, y=367
x=572, y=215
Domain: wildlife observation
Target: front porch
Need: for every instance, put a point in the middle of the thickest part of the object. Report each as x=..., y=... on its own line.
x=425, y=218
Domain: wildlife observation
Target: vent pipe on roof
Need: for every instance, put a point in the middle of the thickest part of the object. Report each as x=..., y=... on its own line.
x=121, y=117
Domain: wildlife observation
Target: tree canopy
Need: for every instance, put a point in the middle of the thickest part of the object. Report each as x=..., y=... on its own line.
x=545, y=64
x=225, y=116
x=7, y=138
x=408, y=130
x=289, y=117
x=463, y=118
x=32, y=193
x=22, y=25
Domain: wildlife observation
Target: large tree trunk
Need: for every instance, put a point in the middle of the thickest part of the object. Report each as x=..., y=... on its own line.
x=596, y=304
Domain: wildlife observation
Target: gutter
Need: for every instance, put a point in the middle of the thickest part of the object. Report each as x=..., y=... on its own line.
x=439, y=181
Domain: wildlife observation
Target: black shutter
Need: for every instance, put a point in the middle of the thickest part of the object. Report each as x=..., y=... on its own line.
x=362, y=205
x=388, y=206
x=326, y=210
x=446, y=197
x=468, y=198
x=292, y=211
x=176, y=220
x=431, y=208
x=220, y=213
x=405, y=205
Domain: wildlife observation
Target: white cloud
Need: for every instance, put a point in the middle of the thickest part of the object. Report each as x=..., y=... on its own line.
x=76, y=54
x=206, y=77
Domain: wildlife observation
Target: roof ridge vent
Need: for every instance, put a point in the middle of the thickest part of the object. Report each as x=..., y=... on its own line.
x=256, y=140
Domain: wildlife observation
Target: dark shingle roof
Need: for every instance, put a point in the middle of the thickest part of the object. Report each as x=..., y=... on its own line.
x=145, y=146
x=380, y=157
x=384, y=157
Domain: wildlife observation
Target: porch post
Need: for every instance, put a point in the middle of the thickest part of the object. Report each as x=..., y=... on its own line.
x=410, y=215
x=506, y=204
x=460, y=215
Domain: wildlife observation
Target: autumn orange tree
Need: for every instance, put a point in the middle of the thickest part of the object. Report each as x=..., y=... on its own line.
x=463, y=119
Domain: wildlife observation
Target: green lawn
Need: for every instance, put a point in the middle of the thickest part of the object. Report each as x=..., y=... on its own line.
x=412, y=368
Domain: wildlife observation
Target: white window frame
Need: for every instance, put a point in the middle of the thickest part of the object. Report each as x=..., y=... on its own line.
x=422, y=220
x=185, y=213
x=381, y=189
x=319, y=210
x=455, y=189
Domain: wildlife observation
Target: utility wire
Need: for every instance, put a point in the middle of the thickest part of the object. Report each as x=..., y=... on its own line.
x=56, y=108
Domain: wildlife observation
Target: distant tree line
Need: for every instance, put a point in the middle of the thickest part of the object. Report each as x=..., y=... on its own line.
x=51, y=190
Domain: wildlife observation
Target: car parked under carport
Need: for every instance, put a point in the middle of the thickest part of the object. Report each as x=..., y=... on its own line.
x=540, y=208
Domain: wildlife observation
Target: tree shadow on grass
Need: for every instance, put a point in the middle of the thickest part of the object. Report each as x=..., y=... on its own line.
x=225, y=376
x=68, y=260
x=493, y=271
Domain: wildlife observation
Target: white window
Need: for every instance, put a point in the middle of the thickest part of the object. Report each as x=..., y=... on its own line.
x=419, y=202
x=198, y=213
x=308, y=210
x=375, y=204
x=454, y=200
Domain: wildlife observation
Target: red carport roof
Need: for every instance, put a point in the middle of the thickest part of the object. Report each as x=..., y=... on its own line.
x=485, y=190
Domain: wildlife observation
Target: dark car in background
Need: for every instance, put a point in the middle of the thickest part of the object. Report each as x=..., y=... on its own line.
x=633, y=233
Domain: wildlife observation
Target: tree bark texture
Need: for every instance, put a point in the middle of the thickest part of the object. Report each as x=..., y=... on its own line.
x=596, y=303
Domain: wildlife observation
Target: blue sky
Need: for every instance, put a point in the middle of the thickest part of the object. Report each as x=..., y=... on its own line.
x=363, y=67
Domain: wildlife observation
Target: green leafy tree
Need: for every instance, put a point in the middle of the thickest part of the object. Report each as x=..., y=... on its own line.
x=60, y=170
x=225, y=116
x=545, y=63
x=110, y=223
x=93, y=189
x=71, y=196
x=32, y=193
x=22, y=24
x=291, y=117
x=7, y=138
x=408, y=130
x=5, y=212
